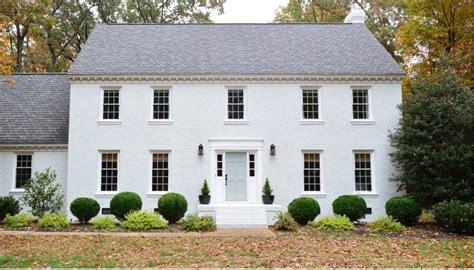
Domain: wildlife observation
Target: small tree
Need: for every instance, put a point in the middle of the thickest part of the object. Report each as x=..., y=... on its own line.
x=205, y=189
x=434, y=146
x=267, y=190
x=43, y=194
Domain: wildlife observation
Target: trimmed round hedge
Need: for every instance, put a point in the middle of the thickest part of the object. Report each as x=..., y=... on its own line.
x=304, y=210
x=351, y=206
x=124, y=203
x=172, y=206
x=84, y=209
x=405, y=210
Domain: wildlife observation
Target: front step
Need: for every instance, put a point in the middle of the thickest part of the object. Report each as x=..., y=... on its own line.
x=240, y=215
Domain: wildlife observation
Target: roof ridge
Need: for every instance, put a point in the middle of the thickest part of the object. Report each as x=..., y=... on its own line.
x=219, y=24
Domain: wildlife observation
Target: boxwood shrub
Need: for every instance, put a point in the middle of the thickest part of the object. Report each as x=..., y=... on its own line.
x=404, y=209
x=9, y=205
x=84, y=209
x=124, y=203
x=351, y=206
x=304, y=210
x=455, y=216
x=172, y=206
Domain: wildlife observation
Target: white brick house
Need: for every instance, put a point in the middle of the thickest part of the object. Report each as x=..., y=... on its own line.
x=160, y=108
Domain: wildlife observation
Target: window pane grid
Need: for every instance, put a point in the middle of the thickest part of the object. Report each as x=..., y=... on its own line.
x=219, y=165
x=312, y=172
x=160, y=172
x=161, y=106
x=310, y=104
x=109, y=172
x=111, y=104
x=23, y=170
x=235, y=104
x=363, y=173
x=252, y=165
x=360, y=104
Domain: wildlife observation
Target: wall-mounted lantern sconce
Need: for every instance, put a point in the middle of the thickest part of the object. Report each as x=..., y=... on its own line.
x=272, y=150
x=200, y=150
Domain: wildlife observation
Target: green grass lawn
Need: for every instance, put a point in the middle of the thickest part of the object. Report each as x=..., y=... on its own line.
x=306, y=248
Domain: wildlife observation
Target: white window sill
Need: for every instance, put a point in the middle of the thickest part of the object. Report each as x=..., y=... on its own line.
x=18, y=191
x=160, y=122
x=313, y=194
x=105, y=194
x=109, y=122
x=363, y=122
x=236, y=122
x=156, y=194
x=311, y=122
x=367, y=194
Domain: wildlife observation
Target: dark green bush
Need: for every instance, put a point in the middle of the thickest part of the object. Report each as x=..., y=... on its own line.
x=405, y=210
x=172, y=206
x=124, y=203
x=351, y=206
x=85, y=209
x=9, y=205
x=455, y=216
x=304, y=210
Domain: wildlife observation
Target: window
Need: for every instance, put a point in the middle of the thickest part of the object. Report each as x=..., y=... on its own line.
x=310, y=104
x=23, y=170
x=235, y=104
x=109, y=172
x=219, y=165
x=360, y=104
x=160, y=172
x=312, y=172
x=111, y=105
x=161, y=106
x=363, y=173
x=251, y=165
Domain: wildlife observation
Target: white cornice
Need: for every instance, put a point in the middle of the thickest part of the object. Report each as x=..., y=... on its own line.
x=232, y=79
x=33, y=147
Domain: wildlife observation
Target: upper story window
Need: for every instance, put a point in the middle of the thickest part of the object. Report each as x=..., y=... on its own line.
x=161, y=104
x=109, y=172
x=111, y=104
x=235, y=104
x=23, y=170
x=363, y=171
x=310, y=104
x=312, y=172
x=360, y=104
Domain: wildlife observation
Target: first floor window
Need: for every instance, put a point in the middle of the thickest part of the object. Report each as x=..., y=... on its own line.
x=363, y=172
x=220, y=163
x=109, y=172
x=161, y=106
x=235, y=104
x=252, y=165
x=310, y=104
x=23, y=170
x=312, y=172
x=360, y=104
x=111, y=105
x=160, y=172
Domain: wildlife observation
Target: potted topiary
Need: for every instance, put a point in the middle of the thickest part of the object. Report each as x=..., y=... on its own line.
x=205, y=198
x=267, y=196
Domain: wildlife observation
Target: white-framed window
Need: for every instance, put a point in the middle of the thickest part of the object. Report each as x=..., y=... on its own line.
x=310, y=103
x=252, y=165
x=160, y=172
x=312, y=171
x=363, y=167
x=23, y=169
x=161, y=104
x=220, y=165
x=361, y=103
x=235, y=104
x=111, y=104
x=108, y=171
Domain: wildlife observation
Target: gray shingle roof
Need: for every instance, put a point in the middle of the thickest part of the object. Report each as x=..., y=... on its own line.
x=35, y=110
x=234, y=49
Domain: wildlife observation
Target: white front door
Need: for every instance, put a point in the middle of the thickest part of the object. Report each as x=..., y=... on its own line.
x=236, y=176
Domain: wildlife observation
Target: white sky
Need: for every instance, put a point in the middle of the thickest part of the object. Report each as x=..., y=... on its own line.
x=249, y=11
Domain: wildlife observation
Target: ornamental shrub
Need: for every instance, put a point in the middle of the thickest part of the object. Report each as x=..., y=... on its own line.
x=351, y=206
x=124, y=203
x=285, y=222
x=403, y=209
x=172, y=206
x=205, y=189
x=386, y=224
x=9, y=205
x=267, y=189
x=426, y=217
x=333, y=223
x=18, y=221
x=53, y=221
x=143, y=221
x=193, y=223
x=84, y=209
x=106, y=223
x=455, y=216
x=304, y=210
